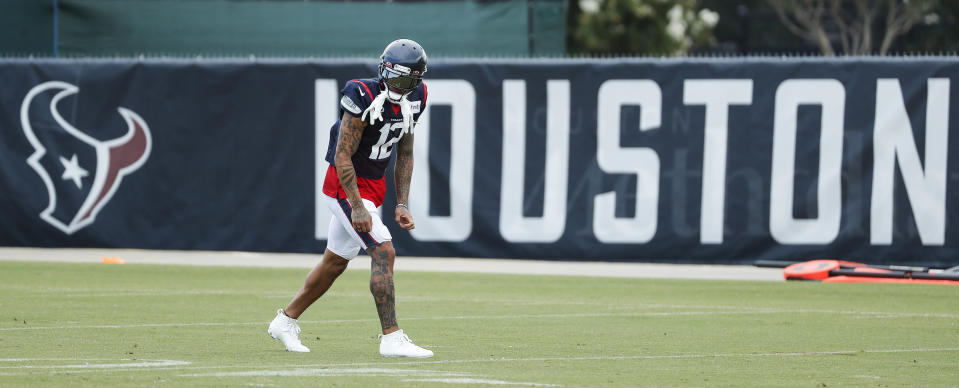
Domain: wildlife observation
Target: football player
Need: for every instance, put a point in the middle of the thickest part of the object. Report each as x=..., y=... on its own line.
x=376, y=120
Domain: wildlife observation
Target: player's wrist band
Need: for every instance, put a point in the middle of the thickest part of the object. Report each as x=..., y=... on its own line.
x=403, y=205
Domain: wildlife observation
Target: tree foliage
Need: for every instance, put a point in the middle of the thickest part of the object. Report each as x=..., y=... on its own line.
x=662, y=27
x=854, y=20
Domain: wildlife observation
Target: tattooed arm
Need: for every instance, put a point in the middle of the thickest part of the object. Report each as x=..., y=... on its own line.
x=402, y=173
x=351, y=131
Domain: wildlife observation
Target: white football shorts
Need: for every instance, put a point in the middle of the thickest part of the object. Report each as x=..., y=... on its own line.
x=345, y=241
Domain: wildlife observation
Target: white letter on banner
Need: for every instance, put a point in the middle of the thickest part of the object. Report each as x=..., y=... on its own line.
x=831, y=96
x=893, y=141
x=644, y=162
x=717, y=95
x=512, y=224
x=460, y=95
x=326, y=106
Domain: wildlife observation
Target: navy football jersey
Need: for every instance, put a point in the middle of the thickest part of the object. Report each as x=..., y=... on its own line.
x=376, y=145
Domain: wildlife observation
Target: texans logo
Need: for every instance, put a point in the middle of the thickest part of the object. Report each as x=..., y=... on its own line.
x=80, y=173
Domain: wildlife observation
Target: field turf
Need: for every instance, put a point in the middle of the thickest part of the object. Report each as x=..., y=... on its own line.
x=103, y=325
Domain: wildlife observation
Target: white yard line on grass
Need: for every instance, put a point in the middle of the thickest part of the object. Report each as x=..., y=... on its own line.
x=418, y=375
x=54, y=359
x=870, y=314
x=334, y=372
x=382, y=363
x=136, y=364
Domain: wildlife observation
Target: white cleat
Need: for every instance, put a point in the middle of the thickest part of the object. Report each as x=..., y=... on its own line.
x=287, y=331
x=397, y=344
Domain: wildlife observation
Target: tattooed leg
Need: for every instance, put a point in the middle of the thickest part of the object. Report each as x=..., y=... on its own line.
x=381, y=284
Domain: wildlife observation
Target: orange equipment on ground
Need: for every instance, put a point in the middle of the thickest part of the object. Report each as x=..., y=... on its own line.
x=840, y=271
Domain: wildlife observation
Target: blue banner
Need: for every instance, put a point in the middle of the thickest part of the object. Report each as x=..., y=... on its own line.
x=693, y=161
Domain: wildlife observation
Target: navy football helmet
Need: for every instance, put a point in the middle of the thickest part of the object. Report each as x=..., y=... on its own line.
x=402, y=66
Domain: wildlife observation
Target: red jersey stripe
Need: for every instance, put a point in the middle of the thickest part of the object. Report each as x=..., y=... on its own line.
x=368, y=92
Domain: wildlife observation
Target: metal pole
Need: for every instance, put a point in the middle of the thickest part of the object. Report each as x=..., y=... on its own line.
x=56, y=30
x=530, y=7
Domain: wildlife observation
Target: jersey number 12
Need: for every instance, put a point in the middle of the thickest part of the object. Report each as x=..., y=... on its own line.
x=383, y=148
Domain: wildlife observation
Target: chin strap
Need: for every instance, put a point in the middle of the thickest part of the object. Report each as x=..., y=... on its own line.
x=407, y=112
x=375, y=110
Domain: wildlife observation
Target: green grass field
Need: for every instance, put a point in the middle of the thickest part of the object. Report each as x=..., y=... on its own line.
x=143, y=325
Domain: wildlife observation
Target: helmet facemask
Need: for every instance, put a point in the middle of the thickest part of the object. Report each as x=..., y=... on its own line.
x=399, y=80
